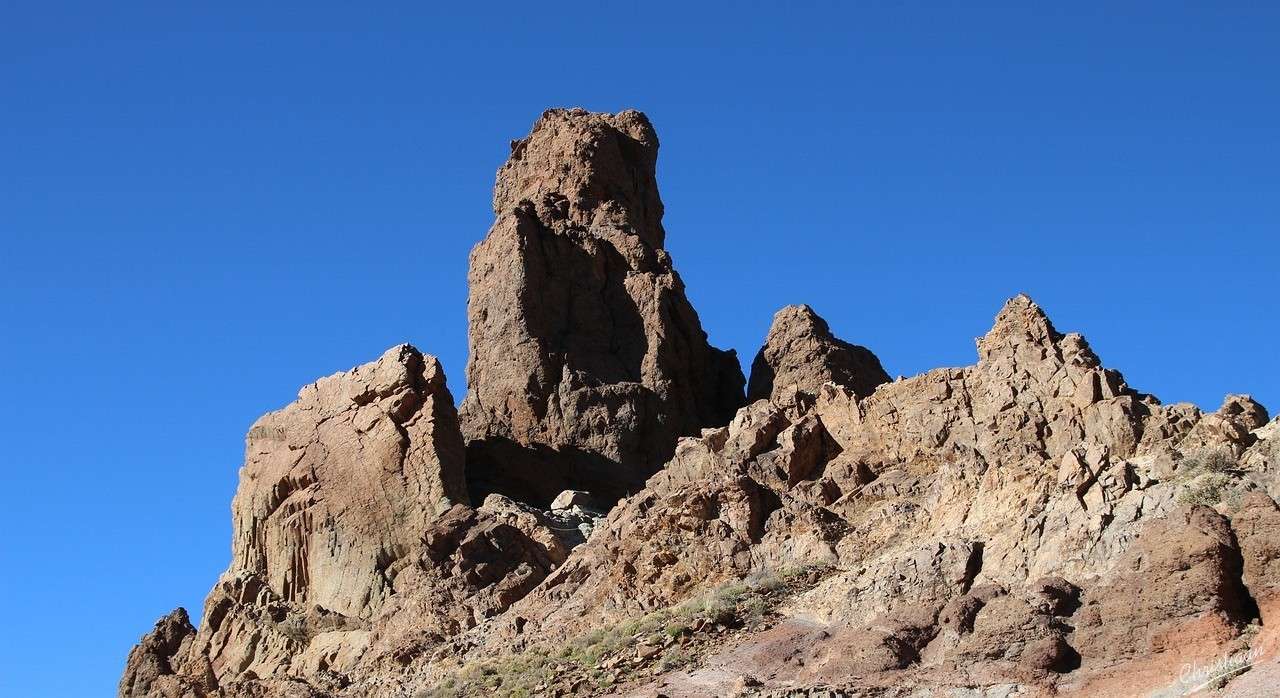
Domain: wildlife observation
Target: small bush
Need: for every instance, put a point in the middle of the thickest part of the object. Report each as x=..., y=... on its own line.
x=1206, y=490
x=754, y=610
x=530, y=672
x=1209, y=460
x=720, y=609
x=676, y=628
x=766, y=582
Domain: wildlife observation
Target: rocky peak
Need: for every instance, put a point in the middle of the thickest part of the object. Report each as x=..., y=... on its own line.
x=1021, y=326
x=1249, y=413
x=150, y=665
x=586, y=170
x=587, y=360
x=800, y=352
x=1027, y=524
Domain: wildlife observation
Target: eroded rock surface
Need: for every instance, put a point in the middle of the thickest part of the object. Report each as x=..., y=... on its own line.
x=339, y=485
x=348, y=499
x=1026, y=525
x=149, y=669
x=982, y=521
x=586, y=359
x=801, y=353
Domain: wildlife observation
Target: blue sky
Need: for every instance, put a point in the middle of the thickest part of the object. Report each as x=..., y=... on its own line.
x=204, y=208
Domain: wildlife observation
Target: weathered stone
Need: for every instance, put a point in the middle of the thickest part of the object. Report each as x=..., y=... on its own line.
x=570, y=499
x=587, y=360
x=151, y=660
x=1177, y=589
x=1026, y=525
x=801, y=353
x=339, y=485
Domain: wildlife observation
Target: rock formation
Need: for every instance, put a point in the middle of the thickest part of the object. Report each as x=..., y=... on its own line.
x=586, y=359
x=801, y=353
x=1026, y=525
x=352, y=540
x=339, y=485
x=1017, y=521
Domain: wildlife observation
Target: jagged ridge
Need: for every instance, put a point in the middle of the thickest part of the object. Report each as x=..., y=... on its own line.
x=1028, y=520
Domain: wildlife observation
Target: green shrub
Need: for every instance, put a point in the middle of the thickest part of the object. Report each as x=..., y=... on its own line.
x=754, y=610
x=676, y=628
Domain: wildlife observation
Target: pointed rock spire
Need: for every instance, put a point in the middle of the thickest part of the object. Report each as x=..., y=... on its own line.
x=800, y=351
x=586, y=359
x=1020, y=324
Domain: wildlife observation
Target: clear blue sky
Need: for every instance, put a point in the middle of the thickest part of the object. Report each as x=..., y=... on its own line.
x=204, y=208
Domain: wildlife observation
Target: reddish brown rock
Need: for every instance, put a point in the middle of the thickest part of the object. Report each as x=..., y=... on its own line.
x=1178, y=588
x=587, y=360
x=1029, y=524
x=339, y=485
x=336, y=493
x=149, y=669
x=1257, y=529
x=801, y=353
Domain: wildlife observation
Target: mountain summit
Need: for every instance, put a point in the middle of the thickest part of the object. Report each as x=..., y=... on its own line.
x=608, y=514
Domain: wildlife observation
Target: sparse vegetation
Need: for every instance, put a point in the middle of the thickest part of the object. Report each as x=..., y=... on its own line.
x=1208, y=475
x=1208, y=489
x=674, y=658
x=663, y=640
x=1209, y=460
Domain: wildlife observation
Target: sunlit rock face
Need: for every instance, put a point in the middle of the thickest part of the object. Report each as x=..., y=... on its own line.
x=1026, y=525
x=587, y=360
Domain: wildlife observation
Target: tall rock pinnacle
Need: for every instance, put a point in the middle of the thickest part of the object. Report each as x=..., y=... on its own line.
x=586, y=359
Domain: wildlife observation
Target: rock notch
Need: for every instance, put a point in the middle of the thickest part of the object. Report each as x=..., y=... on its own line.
x=587, y=361
x=801, y=353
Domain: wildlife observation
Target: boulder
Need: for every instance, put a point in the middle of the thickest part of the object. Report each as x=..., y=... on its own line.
x=339, y=485
x=569, y=499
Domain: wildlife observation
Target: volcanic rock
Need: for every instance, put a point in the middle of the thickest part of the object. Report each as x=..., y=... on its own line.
x=1026, y=525
x=801, y=353
x=342, y=483
x=586, y=359
x=149, y=669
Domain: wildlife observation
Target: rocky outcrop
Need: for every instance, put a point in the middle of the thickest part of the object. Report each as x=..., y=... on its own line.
x=339, y=485
x=800, y=353
x=586, y=359
x=1177, y=588
x=1028, y=524
x=355, y=550
x=981, y=521
x=149, y=669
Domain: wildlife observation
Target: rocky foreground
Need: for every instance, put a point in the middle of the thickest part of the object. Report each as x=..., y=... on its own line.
x=607, y=514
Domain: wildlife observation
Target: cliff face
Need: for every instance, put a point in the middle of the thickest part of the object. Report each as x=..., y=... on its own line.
x=1029, y=523
x=586, y=359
